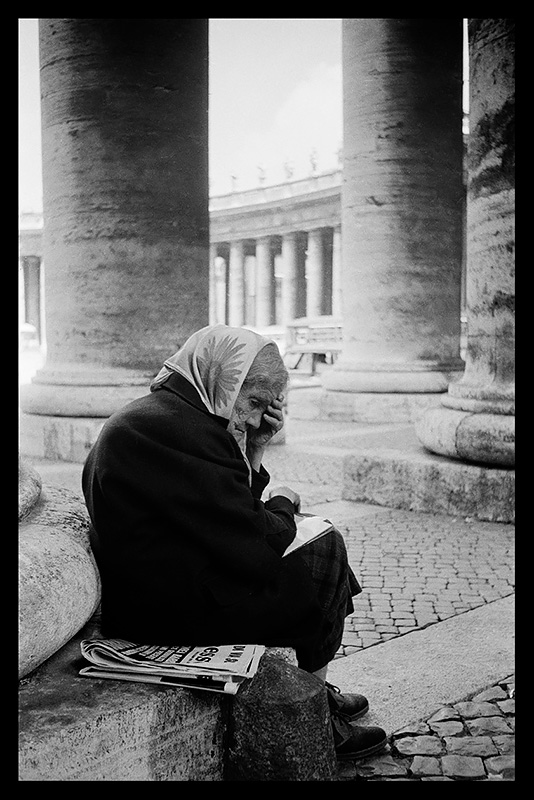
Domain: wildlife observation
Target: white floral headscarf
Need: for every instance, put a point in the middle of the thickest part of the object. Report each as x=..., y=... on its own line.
x=216, y=360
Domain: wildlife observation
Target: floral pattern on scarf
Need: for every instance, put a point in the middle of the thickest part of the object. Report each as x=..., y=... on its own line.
x=221, y=367
x=216, y=360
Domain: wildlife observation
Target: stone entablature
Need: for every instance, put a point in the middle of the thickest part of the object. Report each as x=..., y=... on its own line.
x=302, y=205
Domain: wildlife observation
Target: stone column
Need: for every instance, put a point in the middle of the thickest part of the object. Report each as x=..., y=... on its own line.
x=476, y=420
x=213, y=285
x=314, y=274
x=264, y=282
x=401, y=207
x=289, y=283
x=236, y=280
x=31, y=267
x=336, y=273
x=126, y=224
x=220, y=289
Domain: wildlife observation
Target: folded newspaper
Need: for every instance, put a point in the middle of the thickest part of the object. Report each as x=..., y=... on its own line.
x=309, y=528
x=220, y=668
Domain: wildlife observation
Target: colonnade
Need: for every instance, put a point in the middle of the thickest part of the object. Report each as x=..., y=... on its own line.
x=274, y=279
x=130, y=260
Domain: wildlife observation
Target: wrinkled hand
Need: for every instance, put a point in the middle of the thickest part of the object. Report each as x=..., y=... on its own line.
x=286, y=491
x=271, y=424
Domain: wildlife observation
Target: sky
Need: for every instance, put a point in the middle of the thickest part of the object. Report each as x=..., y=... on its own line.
x=275, y=98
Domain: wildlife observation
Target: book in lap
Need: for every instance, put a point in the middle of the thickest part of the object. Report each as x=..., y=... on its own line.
x=309, y=528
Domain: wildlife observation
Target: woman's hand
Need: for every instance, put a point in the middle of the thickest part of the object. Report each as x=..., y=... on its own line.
x=286, y=491
x=272, y=422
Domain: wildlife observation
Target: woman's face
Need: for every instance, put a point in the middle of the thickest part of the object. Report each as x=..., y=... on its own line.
x=248, y=411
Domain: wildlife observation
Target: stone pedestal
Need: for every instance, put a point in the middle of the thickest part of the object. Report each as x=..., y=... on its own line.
x=476, y=419
x=401, y=207
x=281, y=729
x=59, y=583
x=125, y=196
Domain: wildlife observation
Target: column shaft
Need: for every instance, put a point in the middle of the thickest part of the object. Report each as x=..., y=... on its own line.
x=264, y=283
x=213, y=285
x=220, y=289
x=290, y=279
x=476, y=422
x=314, y=274
x=236, y=278
x=401, y=205
x=337, y=293
x=125, y=200
x=31, y=267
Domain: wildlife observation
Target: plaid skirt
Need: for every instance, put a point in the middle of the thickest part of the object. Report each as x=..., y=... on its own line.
x=335, y=585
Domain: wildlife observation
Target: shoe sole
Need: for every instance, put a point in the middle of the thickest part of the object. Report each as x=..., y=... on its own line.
x=369, y=751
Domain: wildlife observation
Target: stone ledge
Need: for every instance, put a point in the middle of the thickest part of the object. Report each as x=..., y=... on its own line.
x=76, y=729
x=429, y=483
x=79, y=729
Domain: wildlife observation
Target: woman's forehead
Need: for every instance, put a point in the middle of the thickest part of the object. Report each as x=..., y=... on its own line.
x=259, y=393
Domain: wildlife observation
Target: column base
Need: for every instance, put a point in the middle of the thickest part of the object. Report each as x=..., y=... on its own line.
x=406, y=378
x=479, y=438
x=59, y=583
x=66, y=391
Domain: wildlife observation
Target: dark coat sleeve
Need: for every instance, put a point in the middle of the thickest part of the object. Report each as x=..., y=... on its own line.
x=280, y=513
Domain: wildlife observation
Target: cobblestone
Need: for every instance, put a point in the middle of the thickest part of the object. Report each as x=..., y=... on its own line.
x=478, y=749
x=443, y=566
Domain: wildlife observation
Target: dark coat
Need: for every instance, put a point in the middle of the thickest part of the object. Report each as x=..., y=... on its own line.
x=188, y=552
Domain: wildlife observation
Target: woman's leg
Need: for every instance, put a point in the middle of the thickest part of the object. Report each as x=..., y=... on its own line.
x=335, y=586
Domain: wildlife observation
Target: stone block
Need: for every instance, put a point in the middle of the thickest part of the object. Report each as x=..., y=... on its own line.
x=482, y=746
x=79, y=729
x=463, y=767
x=280, y=728
x=427, y=483
x=425, y=765
x=419, y=746
x=58, y=438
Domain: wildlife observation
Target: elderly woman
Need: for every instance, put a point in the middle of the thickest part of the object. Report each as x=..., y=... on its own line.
x=187, y=550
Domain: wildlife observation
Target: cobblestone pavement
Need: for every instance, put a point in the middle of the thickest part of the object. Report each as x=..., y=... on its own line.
x=418, y=569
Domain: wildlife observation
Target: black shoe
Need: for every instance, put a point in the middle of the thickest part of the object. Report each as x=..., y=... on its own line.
x=349, y=706
x=357, y=741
